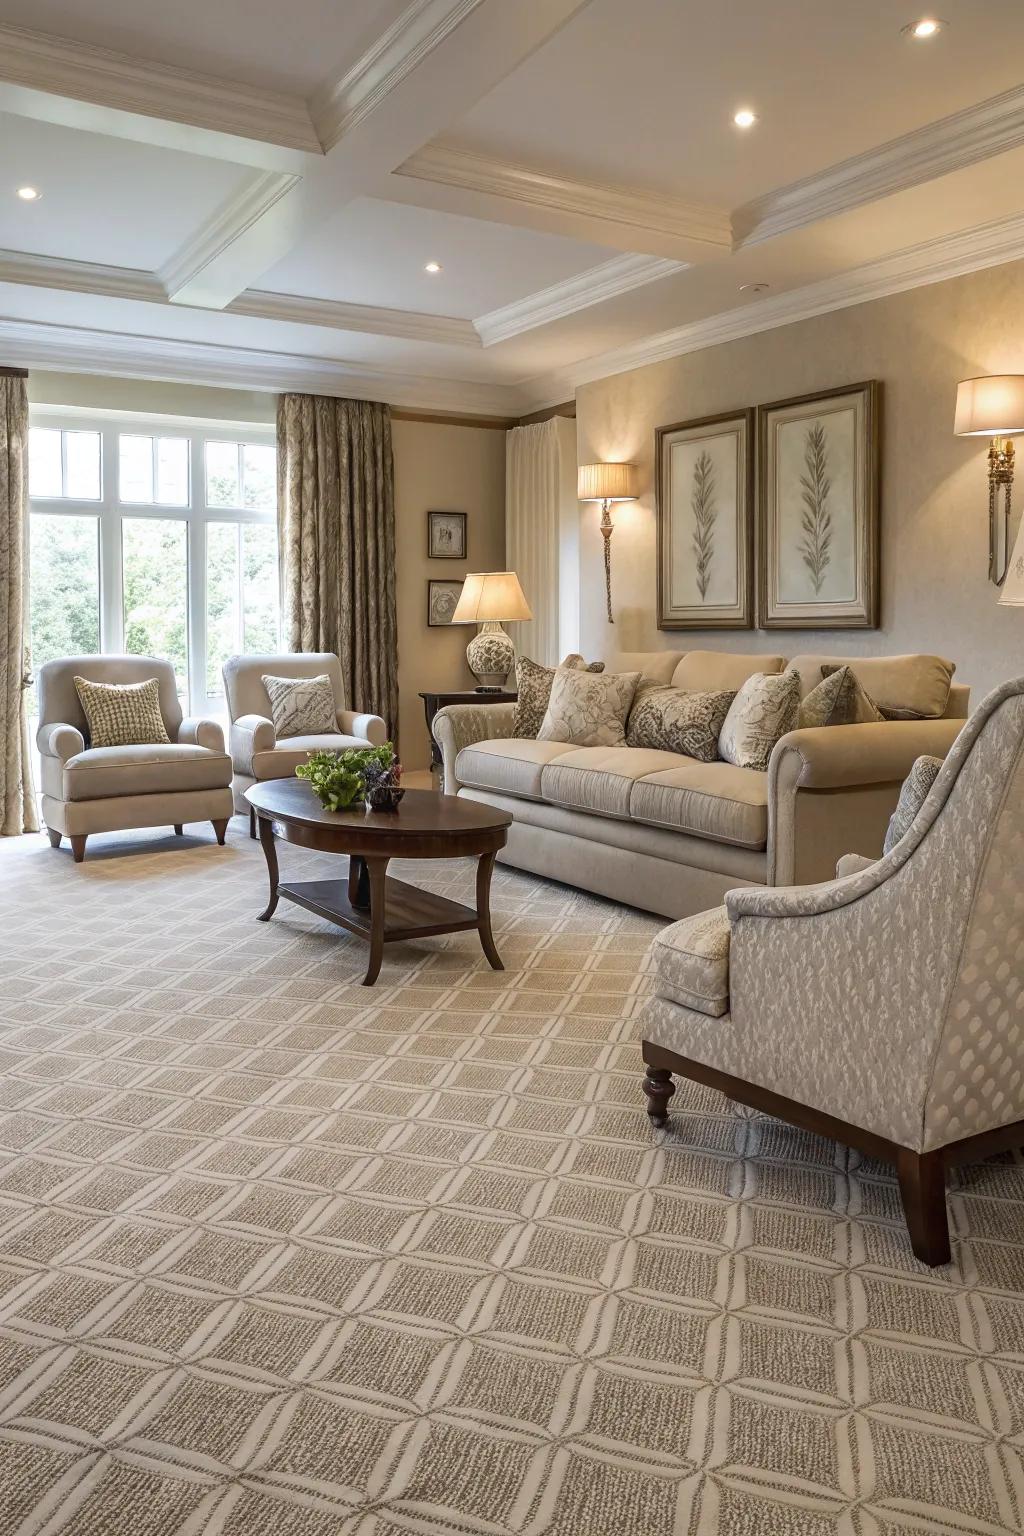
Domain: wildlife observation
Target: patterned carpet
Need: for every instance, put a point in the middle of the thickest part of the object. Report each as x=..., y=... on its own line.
x=283, y=1257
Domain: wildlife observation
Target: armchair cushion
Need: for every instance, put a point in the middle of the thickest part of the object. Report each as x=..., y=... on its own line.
x=123, y=714
x=144, y=769
x=691, y=962
x=912, y=796
x=301, y=706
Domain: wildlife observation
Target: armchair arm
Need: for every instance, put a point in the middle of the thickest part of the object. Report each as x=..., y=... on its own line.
x=195, y=732
x=60, y=741
x=461, y=725
x=370, y=727
x=248, y=735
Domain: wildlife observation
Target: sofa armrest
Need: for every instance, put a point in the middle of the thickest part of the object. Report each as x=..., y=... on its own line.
x=60, y=741
x=370, y=728
x=248, y=735
x=461, y=725
x=195, y=732
x=832, y=789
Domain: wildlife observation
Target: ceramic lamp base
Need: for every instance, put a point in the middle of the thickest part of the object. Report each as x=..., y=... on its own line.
x=491, y=655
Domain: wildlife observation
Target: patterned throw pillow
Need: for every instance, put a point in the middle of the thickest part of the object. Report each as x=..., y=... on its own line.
x=838, y=700
x=533, y=683
x=123, y=714
x=914, y=793
x=667, y=720
x=302, y=706
x=765, y=708
x=589, y=709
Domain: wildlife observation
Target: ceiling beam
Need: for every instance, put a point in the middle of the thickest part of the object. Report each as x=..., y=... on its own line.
x=594, y=286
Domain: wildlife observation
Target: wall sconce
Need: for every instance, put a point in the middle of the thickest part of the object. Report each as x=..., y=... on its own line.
x=993, y=406
x=606, y=483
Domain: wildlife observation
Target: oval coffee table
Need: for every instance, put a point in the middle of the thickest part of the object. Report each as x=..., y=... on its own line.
x=425, y=826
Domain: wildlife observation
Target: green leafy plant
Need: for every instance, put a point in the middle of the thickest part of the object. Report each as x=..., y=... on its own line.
x=341, y=780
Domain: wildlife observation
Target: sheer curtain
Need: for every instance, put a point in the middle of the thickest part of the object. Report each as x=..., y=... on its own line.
x=541, y=517
x=17, y=797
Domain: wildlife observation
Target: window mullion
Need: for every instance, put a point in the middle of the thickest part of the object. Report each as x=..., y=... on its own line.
x=111, y=586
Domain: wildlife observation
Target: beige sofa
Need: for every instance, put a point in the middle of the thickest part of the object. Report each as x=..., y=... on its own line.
x=671, y=835
x=109, y=789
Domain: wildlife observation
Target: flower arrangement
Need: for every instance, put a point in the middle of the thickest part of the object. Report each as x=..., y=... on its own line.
x=340, y=780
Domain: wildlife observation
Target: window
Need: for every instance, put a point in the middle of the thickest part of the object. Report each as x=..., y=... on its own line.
x=152, y=538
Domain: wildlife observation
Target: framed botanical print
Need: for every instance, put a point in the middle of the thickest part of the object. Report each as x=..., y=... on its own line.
x=442, y=598
x=818, y=510
x=704, y=479
x=446, y=535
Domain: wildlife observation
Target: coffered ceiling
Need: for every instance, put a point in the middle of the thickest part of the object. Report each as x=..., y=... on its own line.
x=243, y=194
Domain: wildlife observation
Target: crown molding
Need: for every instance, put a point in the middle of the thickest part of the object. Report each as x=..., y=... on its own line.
x=341, y=105
x=116, y=83
x=182, y=275
x=932, y=261
x=34, y=271
x=595, y=286
x=37, y=344
x=991, y=128
x=371, y=319
x=462, y=168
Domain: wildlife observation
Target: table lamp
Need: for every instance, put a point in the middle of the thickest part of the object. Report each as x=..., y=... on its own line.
x=490, y=598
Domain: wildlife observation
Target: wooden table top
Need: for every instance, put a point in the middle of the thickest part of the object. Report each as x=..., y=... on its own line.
x=422, y=812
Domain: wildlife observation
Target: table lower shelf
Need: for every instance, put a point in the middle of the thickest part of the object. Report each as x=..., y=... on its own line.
x=408, y=912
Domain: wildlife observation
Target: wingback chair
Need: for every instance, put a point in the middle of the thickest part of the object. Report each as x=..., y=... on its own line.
x=256, y=752
x=884, y=1009
x=90, y=789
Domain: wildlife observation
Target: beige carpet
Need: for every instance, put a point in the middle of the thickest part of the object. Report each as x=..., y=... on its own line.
x=283, y=1257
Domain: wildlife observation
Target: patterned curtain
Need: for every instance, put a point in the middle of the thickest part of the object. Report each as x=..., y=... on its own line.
x=336, y=534
x=17, y=794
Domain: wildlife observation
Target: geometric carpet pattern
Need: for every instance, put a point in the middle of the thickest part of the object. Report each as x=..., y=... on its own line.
x=284, y=1256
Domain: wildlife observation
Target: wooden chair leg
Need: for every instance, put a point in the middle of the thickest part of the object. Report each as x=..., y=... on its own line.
x=54, y=837
x=179, y=829
x=78, y=845
x=659, y=1088
x=220, y=827
x=922, y=1177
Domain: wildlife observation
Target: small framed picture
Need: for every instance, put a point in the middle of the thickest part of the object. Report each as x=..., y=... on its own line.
x=442, y=597
x=446, y=535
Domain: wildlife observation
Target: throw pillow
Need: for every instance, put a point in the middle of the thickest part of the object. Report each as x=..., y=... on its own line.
x=838, y=700
x=302, y=706
x=666, y=719
x=914, y=793
x=533, y=683
x=765, y=708
x=123, y=714
x=589, y=709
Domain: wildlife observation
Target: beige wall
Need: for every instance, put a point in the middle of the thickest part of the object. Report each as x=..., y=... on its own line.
x=448, y=469
x=935, y=592
x=96, y=393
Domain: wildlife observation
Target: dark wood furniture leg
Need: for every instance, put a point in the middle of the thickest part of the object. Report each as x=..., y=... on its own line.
x=270, y=852
x=78, y=845
x=376, y=870
x=252, y=822
x=220, y=826
x=484, y=871
x=54, y=837
x=659, y=1088
x=358, y=883
x=922, y=1177
x=179, y=829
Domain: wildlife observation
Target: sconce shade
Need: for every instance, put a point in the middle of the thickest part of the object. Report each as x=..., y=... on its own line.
x=605, y=482
x=1012, y=593
x=490, y=597
x=992, y=406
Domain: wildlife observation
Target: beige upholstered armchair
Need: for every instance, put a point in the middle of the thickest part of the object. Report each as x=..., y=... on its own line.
x=108, y=789
x=256, y=752
x=884, y=1009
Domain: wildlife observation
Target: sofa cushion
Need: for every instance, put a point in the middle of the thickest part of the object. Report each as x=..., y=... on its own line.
x=533, y=689
x=903, y=687
x=838, y=700
x=717, y=671
x=589, y=709
x=691, y=962
x=763, y=711
x=101, y=772
x=508, y=766
x=601, y=779
x=670, y=720
x=715, y=800
x=658, y=666
x=282, y=761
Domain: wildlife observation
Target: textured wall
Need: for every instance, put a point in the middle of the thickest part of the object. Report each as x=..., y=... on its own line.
x=935, y=594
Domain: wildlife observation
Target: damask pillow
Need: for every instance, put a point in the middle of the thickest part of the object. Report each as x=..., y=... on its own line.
x=666, y=719
x=589, y=709
x=916, y=787
x=838, y=700
x=122, y=714
x=302, y=706
x=765, y=708
x=533, y=683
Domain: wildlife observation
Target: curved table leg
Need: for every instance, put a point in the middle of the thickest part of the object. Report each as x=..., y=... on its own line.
x=484, y=870
x=266, y=827
x=376, y=871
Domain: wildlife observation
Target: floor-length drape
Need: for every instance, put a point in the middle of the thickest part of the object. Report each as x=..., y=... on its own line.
x=336, y=534
x=17, y=795
x=537, y=517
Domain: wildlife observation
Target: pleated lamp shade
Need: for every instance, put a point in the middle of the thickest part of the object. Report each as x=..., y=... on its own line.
x=605, y=482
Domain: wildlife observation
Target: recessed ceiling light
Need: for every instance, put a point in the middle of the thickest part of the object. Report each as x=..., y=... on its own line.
x=29, y=194
x=432, y=266
x=928, y=26
x=744, y=118
x=753, y=287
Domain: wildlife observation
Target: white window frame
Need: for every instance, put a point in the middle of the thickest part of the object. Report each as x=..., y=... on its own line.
x=110, y=511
